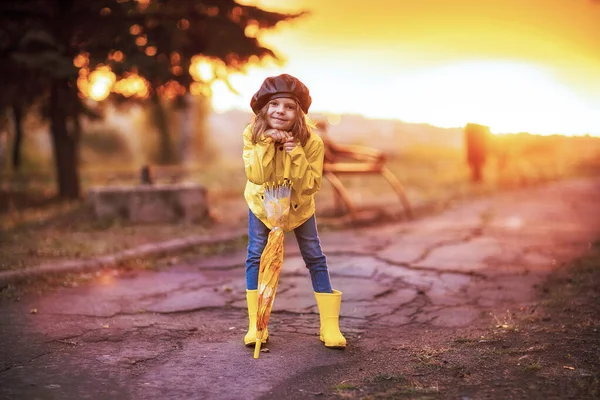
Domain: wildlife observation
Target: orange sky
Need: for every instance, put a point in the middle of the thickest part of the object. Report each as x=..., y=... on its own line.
x=516, y=65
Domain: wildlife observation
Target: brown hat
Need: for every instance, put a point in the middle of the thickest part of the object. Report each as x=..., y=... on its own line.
x=283, y=85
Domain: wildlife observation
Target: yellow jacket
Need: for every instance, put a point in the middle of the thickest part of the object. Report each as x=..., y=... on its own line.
x=264, y=162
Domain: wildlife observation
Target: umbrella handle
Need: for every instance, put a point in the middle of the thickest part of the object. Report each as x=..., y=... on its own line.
x=287, y=167
x=259, y=336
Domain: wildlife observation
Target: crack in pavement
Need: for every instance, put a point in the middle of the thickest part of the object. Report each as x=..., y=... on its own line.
x=127, y=331
x=475, y=232
x=26, y=362
x=432, y=269
x=141, y=361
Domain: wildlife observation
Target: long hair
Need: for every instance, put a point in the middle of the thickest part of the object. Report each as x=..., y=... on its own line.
x=302, y=129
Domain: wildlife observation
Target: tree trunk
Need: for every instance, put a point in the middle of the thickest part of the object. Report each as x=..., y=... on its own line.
x=205, y=151
x=64, y=144
x=18, y=121
x=166, y=153
x=185, y=115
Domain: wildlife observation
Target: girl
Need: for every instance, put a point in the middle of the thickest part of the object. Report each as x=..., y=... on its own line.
x=281, y=129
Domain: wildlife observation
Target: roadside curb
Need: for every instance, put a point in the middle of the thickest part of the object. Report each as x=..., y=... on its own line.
x=157, y=249
x=364, y=217
x=111, y=260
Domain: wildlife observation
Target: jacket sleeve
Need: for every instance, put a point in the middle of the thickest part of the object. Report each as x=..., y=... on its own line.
x=306, y=170
x=257, y=159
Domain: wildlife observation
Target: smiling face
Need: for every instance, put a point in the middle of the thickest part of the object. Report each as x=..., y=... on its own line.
x=282, y=113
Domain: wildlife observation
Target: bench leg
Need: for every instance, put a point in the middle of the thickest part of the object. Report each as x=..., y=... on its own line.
x=341, y=193
x=399, y=189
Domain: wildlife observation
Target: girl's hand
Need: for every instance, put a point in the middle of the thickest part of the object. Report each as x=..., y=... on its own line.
x=277, y=135
x=290, y=143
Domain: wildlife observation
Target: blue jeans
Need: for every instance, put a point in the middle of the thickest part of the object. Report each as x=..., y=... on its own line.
x=310, y=248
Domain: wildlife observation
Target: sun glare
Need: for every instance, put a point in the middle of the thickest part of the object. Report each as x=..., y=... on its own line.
x=513, y=65
x=99, y=83
x=534, y=74
x=508, y=97
x=201, y=69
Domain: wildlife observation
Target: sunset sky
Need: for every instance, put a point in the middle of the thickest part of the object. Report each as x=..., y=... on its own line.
x=515, y=65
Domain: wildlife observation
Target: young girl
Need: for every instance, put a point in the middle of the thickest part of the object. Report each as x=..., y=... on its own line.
x=281, y=129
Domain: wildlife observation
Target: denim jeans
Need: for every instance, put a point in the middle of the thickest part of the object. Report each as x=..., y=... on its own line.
x=310, y=248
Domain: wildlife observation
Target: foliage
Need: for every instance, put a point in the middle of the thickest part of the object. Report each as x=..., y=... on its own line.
x=38, y=47
x=40, y=39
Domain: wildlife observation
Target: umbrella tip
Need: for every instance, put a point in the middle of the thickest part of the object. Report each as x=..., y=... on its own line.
x=257, y=348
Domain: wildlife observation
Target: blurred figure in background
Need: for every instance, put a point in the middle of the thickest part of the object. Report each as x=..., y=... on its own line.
x=476, y=143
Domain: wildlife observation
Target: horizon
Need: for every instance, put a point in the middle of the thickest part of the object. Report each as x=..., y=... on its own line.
x=334, y=119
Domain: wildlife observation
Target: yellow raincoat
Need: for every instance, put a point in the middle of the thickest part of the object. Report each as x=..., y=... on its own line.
x=306, y=174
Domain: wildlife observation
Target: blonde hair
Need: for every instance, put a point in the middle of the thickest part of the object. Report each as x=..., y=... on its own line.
x=302, y=129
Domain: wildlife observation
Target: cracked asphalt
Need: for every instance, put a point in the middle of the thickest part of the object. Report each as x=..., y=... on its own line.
x=176, y=333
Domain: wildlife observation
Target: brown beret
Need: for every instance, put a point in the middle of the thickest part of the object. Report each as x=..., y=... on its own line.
x=283, y=85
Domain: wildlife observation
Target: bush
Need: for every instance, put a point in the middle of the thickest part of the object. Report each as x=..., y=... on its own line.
x=101, y=146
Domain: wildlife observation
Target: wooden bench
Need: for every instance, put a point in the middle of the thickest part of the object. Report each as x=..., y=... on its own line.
x=353, y=160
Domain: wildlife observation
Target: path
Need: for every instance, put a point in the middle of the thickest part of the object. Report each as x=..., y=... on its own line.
x=176, y=333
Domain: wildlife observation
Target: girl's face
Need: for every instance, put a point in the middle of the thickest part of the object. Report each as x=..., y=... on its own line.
x=281, y=113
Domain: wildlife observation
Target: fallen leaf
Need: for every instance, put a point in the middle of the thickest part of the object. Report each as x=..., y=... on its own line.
x=52, y=386
x=33, y=311
x=106, y=326
x=568, y=367
x=70, y=342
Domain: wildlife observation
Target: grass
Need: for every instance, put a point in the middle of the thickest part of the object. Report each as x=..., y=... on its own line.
x=430, y=357
x=505, y=321
x=392, y=387
x=343, y=386
x=69, y=233
x=531, y=365
x=465, y=340
x=400, y=385
x=37, y=229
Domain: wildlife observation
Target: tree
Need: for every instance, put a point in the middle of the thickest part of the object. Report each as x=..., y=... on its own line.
x=20, y=86
x=40, y=39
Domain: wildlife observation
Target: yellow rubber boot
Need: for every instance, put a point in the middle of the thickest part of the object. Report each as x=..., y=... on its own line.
x=252, y=300
x=329, y=312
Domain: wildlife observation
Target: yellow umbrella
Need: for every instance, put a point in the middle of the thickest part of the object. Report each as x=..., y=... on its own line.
x=277, y=207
